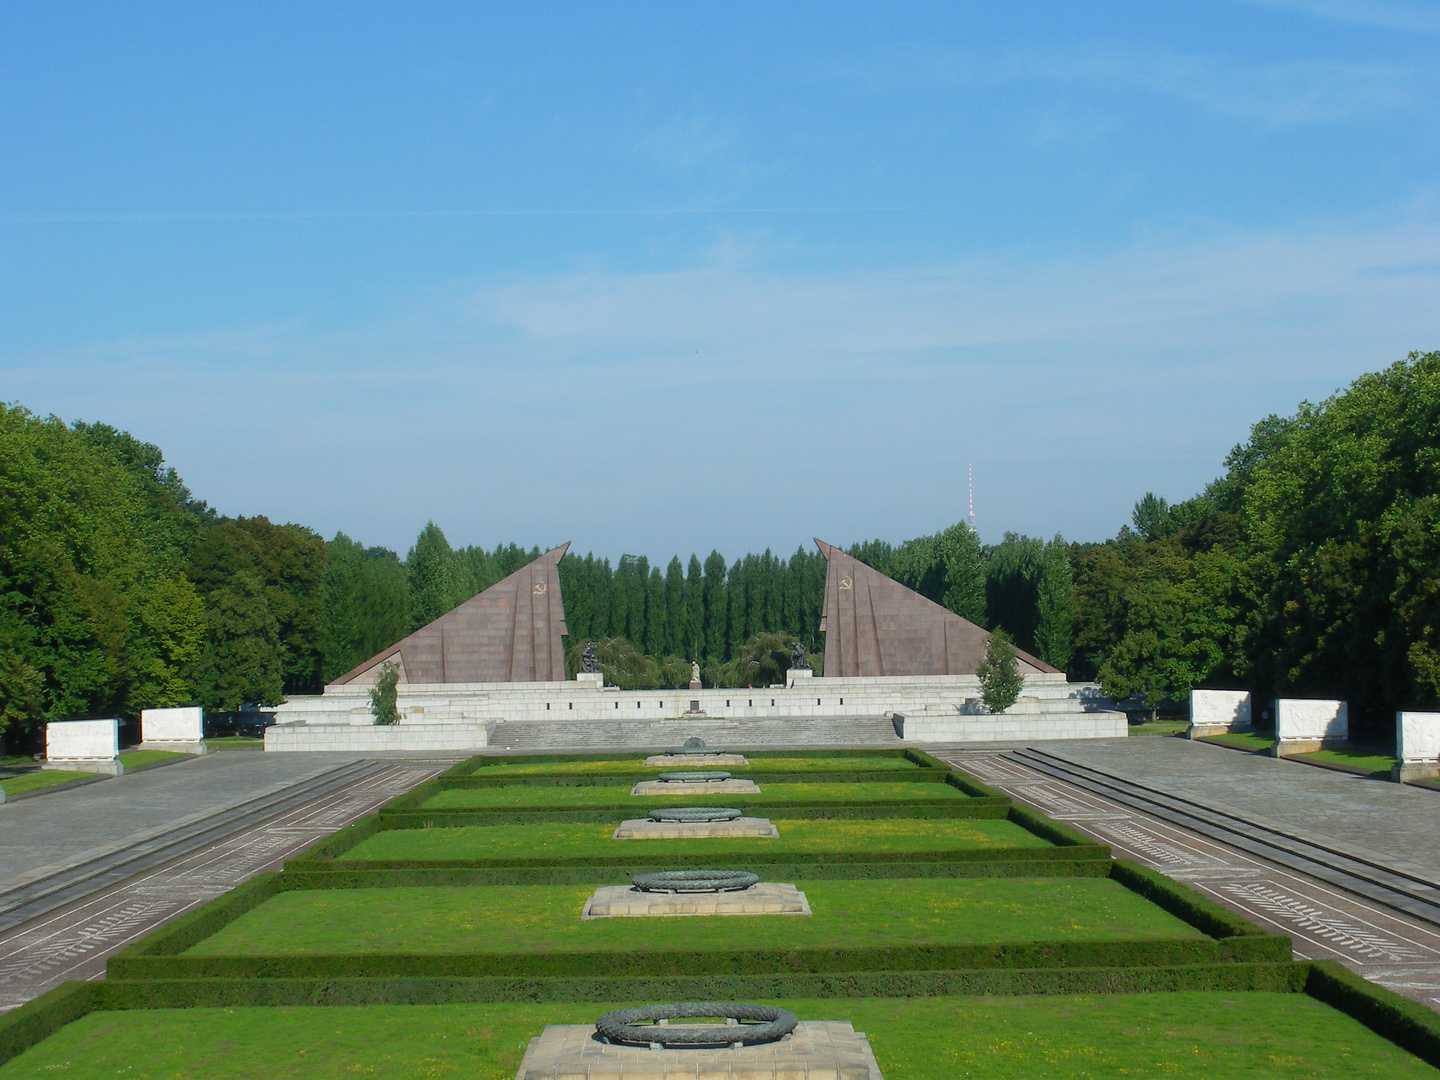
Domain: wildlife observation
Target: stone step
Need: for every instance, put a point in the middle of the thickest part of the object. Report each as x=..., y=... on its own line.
x=1354, y=871
x=659, y=735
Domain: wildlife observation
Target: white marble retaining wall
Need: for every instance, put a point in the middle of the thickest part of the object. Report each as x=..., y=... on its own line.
x=1417, y=746
x=173, y=729
x=83, y=746
x=1021, y=722
x=1213, y=712
x=585, y=699
x=1305, y=724
x=393, y=737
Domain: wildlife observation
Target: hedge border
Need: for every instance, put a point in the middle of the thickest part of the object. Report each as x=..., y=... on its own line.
x=1409, y=1025
x=447, y=818
x=326, y=851
x=1184, y=902
x=138, y=965
x=1406, y=1023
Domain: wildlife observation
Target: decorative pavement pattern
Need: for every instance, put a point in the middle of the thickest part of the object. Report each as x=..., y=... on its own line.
x=1394, y=950
x=76, y=942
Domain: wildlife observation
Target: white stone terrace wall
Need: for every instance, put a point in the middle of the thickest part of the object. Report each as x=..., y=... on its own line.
x=1214, y=712
x=173, y=729
x=437, y=738
x=1049, y=704
x=570, y=701
x=83, y=746
x=1417, y=745
x=1306, y=724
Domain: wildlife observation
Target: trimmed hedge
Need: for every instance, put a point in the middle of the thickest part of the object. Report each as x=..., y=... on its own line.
x=41, y=1017
x=1047, y=828
x=1406, y=1023
x=452, y=817
x=337, y=877
x=604, y=863
x=135, y=964
x=837, y=776
x=1185, y=903
x=215, y=993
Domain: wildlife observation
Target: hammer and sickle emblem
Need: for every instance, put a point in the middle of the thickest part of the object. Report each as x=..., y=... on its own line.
x=539, y=588
x=846, y=583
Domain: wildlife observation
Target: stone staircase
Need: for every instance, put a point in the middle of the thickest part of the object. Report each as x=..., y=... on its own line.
x=659, y=735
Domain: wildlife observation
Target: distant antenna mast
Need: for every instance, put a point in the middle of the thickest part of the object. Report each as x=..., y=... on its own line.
x=972, y=496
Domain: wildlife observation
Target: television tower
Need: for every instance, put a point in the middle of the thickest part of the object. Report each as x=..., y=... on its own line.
x=971, y=467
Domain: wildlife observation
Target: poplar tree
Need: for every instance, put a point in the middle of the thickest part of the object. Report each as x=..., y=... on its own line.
x=1055, y=616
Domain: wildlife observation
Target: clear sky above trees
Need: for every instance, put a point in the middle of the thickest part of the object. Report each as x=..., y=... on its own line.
x=710, y=274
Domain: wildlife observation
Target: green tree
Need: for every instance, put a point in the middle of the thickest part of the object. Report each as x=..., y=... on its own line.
x=1055, y=606
x=762, y=660
x=434, y=577
x=384, y=696
x=242, y=663
x=964, y=572
x=999, y=671
x=363, y=607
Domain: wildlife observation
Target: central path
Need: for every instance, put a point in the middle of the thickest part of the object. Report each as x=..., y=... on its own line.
x=75, y=941
x=1399, y=952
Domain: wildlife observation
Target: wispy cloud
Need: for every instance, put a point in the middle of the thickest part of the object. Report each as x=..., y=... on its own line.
x=1271, y=93
x=1390, y=14
x=622, y=405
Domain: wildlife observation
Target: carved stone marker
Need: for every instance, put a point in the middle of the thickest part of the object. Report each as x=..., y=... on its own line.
x=650, y=1025
x=816, y=1048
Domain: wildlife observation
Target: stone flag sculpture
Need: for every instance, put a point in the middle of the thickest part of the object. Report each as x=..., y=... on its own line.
x=873, y=625
x=511, y=632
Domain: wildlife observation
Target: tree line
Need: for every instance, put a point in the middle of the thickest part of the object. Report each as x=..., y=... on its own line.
x=1308, y=567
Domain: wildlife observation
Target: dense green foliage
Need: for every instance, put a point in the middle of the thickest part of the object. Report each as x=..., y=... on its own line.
x=1311, y=567
x=999, y=671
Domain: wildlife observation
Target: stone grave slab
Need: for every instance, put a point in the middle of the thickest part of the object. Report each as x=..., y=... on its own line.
x=626, y=902
x=816, y=1050
x=710, y=787
x=660, y=761
x=645, y=829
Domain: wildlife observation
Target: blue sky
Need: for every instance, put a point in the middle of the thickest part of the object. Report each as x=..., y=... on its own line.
x=657, y=278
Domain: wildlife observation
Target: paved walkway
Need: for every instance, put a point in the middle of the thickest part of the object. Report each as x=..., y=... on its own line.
x=1394, y=950
x=1397, y=824
x=46, y=834
x=74, y=943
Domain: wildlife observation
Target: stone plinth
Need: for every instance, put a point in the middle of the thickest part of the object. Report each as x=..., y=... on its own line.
x=178, y=730
x=1215, y=712
x=1303, y=725
x=83, y=746
x=350, y=738
x=662, y=760
x=645, y=829
x=627, y=902
x=1417, y=746
x=710, y=787
x=816, y=1050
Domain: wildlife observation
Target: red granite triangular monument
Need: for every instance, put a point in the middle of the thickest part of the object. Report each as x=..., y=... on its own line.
x=875, y=626
x=511, y=632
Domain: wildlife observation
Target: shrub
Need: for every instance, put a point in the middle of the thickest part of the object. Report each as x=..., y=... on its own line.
x=1000, y=678
x=383, y=697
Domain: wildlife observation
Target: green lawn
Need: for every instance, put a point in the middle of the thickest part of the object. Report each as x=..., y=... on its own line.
x=40, y=778
x=546, y=918
x=857, y=762
x=1186, y=1036
x=133, y=759
x=771, y=794
x=553, y=841
x=1243, y=740
x=1354, y=759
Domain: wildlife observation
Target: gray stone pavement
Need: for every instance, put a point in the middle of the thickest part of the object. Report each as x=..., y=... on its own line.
x=1395, y=950
x=1396, y=824
x=43, y=835
x=75, y=942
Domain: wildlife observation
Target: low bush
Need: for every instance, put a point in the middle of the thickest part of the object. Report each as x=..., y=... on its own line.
x=1034, y=955
x=1185, y=903
x=1404, y=1022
